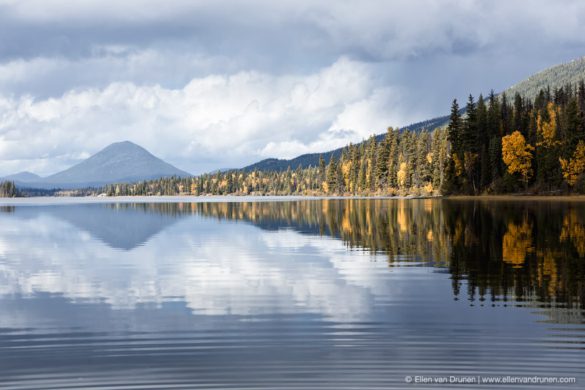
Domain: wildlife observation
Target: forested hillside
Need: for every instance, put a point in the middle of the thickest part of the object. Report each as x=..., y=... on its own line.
x=555, y=77
x=499, y=146
x=312, y=159
x=552, y=78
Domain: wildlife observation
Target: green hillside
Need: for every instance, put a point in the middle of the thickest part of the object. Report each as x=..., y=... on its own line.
x=554, y=77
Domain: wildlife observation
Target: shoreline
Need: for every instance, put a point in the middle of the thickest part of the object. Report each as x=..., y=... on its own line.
x=64, y=200
x=517, y=197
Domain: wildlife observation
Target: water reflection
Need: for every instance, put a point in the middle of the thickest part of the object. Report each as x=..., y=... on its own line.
x=503, y=250
x=339, y=293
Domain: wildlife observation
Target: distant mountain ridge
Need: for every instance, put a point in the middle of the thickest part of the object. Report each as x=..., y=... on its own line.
x=24, y=177
x=553, y=77
x=120, y=162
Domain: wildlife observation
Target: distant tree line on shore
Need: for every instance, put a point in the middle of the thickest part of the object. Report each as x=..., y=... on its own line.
x=8, y=189
x=497, y=146
x=404, y=162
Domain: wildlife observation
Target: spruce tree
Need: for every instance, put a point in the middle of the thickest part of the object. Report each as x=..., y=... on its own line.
x=332, y=175
x=454, y=128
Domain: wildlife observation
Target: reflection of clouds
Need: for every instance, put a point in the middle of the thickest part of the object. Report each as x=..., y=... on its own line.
x=216, y=268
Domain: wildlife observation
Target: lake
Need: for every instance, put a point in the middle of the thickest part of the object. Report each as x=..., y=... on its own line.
x=317, y=293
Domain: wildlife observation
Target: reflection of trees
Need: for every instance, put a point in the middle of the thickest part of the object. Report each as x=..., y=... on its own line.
x=524, y=250
x=7, y=209
x=574, y=231
x=517, y=243
x=403, y=229
x=528, y=251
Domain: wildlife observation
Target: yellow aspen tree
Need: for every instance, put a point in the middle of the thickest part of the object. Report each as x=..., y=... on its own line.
x=517, y=155
x=345, y=170
x=547, y=130
x=575, y=166
x=402, y=174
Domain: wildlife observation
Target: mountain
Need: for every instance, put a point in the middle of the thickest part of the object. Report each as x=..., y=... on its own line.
x=118, y=162
x=554, y=77
x=23, y=177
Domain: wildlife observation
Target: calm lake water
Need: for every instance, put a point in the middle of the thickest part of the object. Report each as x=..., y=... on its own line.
x=291, y=294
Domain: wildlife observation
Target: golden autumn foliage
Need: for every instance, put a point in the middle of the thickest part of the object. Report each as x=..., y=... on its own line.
x=547, y=130
x=575, y=166
x=402, y=217
x=402, y=174
x=517, y=155
x=517, y=243
x=574, y=230
x=430, y=157
x=345, y=169
x=458, y=165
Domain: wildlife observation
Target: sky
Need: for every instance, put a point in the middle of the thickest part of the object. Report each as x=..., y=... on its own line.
x=209, y=85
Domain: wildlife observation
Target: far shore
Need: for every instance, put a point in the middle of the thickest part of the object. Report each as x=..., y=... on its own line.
x=63, y=200
x=518, y=197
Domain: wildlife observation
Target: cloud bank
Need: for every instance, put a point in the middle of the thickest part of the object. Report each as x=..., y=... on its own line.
x=209, y=85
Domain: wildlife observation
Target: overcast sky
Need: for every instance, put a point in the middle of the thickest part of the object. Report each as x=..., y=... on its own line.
x=221, y=84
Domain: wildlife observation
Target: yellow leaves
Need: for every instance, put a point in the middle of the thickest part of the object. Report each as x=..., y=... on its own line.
x=428, y=188
x=574, y=230
x=430, y=157
x=575, y=167
x=547, y=130
x=345, y=170
x=346, y=225
x=325, y=187
x=458, y=165
x=402, y=217
x=402, y=175
x=517, y=243
x=517, y=154
x=430, y=236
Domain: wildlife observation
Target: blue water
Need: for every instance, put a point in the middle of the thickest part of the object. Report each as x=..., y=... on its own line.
x=295, y=294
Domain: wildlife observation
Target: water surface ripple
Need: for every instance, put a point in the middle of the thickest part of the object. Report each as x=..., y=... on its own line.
x=329, y=294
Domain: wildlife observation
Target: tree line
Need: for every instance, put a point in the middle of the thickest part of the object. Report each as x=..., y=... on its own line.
x=525, y=145
x=494, y=145
x=403, y=162
x=8, y=189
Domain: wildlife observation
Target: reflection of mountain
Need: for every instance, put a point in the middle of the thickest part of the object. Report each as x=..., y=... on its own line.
x=120, y=226
x=500, y=251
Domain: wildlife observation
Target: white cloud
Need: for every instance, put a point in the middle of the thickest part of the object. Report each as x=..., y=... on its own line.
x=240, y=117
x=216, y=84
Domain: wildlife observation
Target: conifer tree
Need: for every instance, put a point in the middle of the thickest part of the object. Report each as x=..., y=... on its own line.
x=332, y=176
